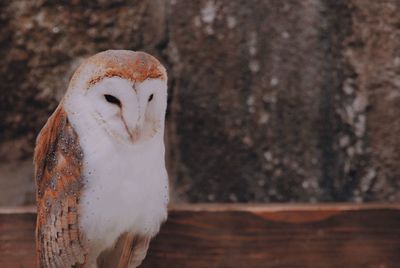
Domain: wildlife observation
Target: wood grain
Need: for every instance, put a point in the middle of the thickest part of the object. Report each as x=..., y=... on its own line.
x=248, y=236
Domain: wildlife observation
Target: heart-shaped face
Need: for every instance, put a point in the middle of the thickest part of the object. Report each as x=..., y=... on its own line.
x=125, y=92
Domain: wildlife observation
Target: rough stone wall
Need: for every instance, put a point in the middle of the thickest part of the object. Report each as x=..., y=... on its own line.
x=371, y=108
x=294, y=101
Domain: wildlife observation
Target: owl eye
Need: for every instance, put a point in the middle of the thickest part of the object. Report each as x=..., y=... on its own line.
x=112, y=99
x=151, y=97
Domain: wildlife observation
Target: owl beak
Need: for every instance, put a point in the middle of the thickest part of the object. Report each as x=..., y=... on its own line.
x=136, y=130
x=133, y=127
x=135, y=134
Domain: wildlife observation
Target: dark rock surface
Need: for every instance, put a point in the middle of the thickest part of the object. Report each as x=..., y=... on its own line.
x=294, y=101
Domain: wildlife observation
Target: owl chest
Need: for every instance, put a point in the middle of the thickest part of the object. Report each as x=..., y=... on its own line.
x=125, y=191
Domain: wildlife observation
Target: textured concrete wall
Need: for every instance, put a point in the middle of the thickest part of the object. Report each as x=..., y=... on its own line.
x=269, y=100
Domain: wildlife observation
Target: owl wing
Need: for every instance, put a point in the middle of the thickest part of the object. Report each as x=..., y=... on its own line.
x=129, y=251
x=58, y=163
x=134, y=251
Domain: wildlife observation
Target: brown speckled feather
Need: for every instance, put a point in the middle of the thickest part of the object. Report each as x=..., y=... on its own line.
x=58, y=163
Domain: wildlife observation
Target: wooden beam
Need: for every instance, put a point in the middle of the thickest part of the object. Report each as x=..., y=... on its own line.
x=240, y=235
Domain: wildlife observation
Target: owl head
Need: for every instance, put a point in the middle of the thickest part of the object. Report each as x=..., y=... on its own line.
x=123, y=93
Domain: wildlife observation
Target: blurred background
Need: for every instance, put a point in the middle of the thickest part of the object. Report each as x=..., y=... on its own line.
x=269, y=101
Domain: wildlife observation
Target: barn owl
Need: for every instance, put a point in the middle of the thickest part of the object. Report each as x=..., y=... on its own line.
x=99, y=162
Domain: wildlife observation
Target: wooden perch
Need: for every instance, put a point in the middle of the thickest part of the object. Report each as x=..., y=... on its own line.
x=219, y=235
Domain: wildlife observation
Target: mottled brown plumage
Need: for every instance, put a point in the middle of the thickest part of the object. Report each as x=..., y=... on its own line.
x=112, y=64
x=58, y=163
